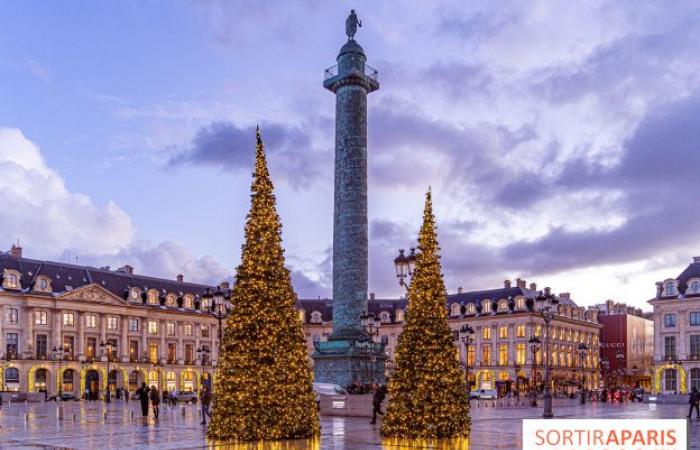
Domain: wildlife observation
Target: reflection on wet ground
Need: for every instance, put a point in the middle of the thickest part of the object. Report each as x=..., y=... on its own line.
x=93, y=425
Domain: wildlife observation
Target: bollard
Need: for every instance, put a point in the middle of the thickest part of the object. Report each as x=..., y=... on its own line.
x=182, y=410
x=131, y=416
x=73, y=417
x=104, y=415
x=26, y=417
x=59, y=412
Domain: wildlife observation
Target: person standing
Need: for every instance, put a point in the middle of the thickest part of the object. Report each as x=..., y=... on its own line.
x=377, y=399
x=694, y=402
x=205, y=400
x=155, y=401
x=142, y=393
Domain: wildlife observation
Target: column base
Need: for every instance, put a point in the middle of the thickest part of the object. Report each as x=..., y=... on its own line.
x=344, y=362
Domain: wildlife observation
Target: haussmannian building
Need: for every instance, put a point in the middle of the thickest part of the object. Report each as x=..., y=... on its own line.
x=501, y=356
x=677, y=332
x=157, y=329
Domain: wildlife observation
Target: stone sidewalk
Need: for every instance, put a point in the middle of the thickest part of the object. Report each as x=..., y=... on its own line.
x=100, y=426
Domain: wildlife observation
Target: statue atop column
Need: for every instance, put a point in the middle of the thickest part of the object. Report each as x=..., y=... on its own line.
x=351, y=24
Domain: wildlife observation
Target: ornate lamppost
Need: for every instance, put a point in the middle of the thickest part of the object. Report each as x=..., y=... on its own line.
x=371, y=323
x=203, y=354
x=405, y=265
x=546, y=310
x=59, y=353
x=220, y=307
x=582, y=351
x=107, y=351
x=467, y=337
x=604, y=367
x=535, y=343
x=620, y=356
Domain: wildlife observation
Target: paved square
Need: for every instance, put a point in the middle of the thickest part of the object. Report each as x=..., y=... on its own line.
x=100, y=426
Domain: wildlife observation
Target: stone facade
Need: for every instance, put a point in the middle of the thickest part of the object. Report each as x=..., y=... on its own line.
x=677, y=332
x=156, y=327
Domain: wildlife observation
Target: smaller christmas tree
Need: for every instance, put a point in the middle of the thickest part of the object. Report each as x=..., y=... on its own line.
x=263, y=388
x=427, y=392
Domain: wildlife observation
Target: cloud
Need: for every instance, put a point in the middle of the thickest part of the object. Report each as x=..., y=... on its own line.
x=226, y=145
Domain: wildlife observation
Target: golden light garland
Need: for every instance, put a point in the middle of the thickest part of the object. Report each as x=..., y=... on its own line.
x=427, y=392
x=264, y=386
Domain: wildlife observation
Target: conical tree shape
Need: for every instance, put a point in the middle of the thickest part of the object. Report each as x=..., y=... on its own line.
x=427, y=392
x=263, y=386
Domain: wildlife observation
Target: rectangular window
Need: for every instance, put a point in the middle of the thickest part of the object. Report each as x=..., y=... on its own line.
x=205, y=355
x=189, y=354
x=68, y=319
x=520, y=353
x=486, y=333
x=91, y=348
x=11, y=345
x=188, y=329
x=40, y=317
x=385, y=339
x=68, y=347
x=520, y=331
x=695, y=346
x=41, y=346
x=113, y=351
x=153, y=352
x=486, y=355
x=133, y=351
x=695, y=318
x=12, y=315
x=152, y=327
x=91, y=321
x=172, y=353
x=471, y=356
x=670, y=380
x=170, y=329
x=112, y=323
x=669, y=347
x=205, y=330
x=669, y=320
x=538, y=330
x=503, y=332
x=133, y=325
x=503, y=355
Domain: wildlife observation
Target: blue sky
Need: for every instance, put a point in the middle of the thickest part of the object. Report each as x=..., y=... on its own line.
x=552, y=134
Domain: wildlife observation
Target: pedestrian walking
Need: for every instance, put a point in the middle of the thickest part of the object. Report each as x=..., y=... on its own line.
x=377, y=399
x=205, y=400
x=142, y=392
x=166, y=398
x=694, y=402
x=126, y=395
x=155, y=401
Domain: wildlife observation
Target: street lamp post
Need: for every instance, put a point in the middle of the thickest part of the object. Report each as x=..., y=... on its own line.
x=534, y=342
x=467, y=333
x=107, y=351
x=620, y=356
x=203, y=353
x=220, y=308
x=60, y=354
x=405, y=265
x=582, y=351
x=372, y=323
x=547, y=300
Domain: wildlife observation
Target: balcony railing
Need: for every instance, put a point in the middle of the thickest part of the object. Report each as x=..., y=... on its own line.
x=369, y=71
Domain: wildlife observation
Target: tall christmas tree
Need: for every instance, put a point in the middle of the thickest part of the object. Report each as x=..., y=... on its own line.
x=263, y=387
x=427, y=392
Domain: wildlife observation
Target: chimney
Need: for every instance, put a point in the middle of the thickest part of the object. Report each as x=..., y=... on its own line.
x=224, y=285
x=533, y=286
x=520, y=283
x=16, y=251
x=506, y=284
x=127, y=269
x=460, y=290
x=180, y=278
x=565, y=295
x=371, y=295
x=695, y=258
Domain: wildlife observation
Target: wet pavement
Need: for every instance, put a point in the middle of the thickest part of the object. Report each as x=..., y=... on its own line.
x=95, y=425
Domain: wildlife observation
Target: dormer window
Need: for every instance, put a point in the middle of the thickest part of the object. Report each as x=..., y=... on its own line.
x=170, y=300
x=486, y=306
x=384, y=317
x=399, y=315
x=302, y=315
x=694, y=287
x=670, y=289
x=188, y=303
x=455, y=309
x=11, y=279
x=503, y=305
x=134, y=295
x=471, y=308
x=520, y=303
x=152, y=298
x=316, y=317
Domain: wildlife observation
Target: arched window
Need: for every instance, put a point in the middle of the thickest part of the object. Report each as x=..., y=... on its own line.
x=486, y=306
x=670, y=289
x=503, y=305
x=40, y=380
x=385, y=317
x=694, y=287
x=170, y=381
x=67, y=381
x=152, y=297
x=134, y=294
x=11, y=279
x=153, y=378
x=188, y=303
x=455, y=309
x=316, y=317
x=170, y=300
x=471, y=308
x=399, y=315
x=302, y=315
x=695, y=378
x=11, y=379
x=520, y=303
x=670, y=380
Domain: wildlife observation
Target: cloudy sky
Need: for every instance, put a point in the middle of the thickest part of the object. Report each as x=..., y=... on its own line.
x=560, y=138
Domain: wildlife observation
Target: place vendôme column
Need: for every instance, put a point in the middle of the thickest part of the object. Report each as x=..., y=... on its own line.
x=349, y=355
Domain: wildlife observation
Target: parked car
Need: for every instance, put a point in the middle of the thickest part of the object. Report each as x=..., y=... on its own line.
x=184, y=396
x=484, y=394
x=66, y=396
